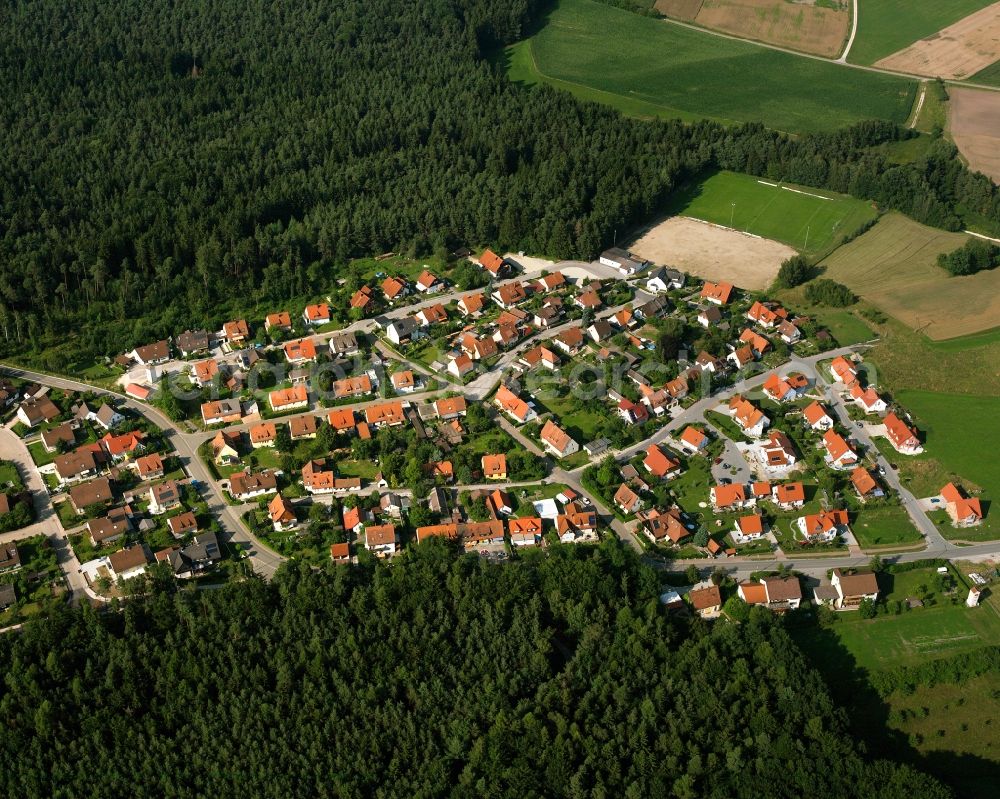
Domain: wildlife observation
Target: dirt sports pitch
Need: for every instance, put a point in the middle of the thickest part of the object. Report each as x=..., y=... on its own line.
x=958, y=51
x=974, y=122
x=894, y=266
x=808, y=27
x=713, y=252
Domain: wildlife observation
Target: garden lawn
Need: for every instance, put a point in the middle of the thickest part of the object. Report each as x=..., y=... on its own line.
x=647, y=67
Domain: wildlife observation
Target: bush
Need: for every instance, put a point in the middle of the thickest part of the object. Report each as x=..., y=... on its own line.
x=829, y=292
x=793, y=272
x=975, y=256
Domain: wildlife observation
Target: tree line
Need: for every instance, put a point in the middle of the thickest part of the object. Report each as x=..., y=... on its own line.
x=171, y=167
x=442, y=674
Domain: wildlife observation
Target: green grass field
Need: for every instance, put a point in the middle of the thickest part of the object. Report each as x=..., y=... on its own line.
x=885, y=26
x=990, y=76
x=960, y=430
x=646, y=67
x=884, y=527
x=810, y=220
x=910, y=638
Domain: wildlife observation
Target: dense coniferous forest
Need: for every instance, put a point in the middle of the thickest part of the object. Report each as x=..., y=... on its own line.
x=166, y=165
x=439, y=675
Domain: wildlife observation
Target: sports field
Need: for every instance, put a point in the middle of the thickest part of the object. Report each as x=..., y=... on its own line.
x=885, y=26
x=894, y=267
x=810, y=220
x=672, y=71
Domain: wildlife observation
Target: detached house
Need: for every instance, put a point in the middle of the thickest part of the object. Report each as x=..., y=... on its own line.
x=315, y=315
x=570, y=340
x=193, y=341
x=343, y=343
x=853, y=587
x=789, y=496
x=245, y=486
x=750, y=419
x=221, y=411
x=472, y=304
x=729, y=497
x=627, y=500
x=664, y=279
x=843, y=371
x=479, y=348
x=382, y=539
x=551, y=281
x=37, y=410
x=515, y=407
x=963, y=511
x=96, y=492
x=741, y=357
x=203, y=372
x=236, y=331
x=281, y=514
x=494, y=467
x=509, y=294
x=710, y=317
x=498, y=267
x=432, y=315
x=902, y=436
x=400, y=330
x=158, y=352
x=748, y=529
x=758, y=343
x=839, y=454
x=287, y=399
x=717, y=293
x=394, y=288
x=460, y=365
x=428, y=283
x=164, y=496
x=387, y=414
x=868, y=399
x=660, y=464
x=557, y=441
x=280, y=320
x=660, y=525
x=767, y=315
x=865, y=484
x=824, y=526
x=817, y=417
x=692, y=440
x=301, y=351
x=362, y=298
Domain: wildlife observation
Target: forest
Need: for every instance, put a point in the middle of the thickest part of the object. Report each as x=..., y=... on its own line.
x=169, y=166
x=442, y=674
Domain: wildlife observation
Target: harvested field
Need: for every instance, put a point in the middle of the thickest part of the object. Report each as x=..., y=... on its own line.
x=958, y=51
x=893, y=266
x=974, y=122
x=799, y=26
x=686, y=10
x=713, y=252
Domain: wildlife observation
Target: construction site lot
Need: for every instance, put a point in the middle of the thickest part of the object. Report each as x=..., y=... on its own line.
x=974, y=124
x=894, y=267
x=806, y=26
x=956, y=52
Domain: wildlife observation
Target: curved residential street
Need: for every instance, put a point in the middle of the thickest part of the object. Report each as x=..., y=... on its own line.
x=266, y=561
